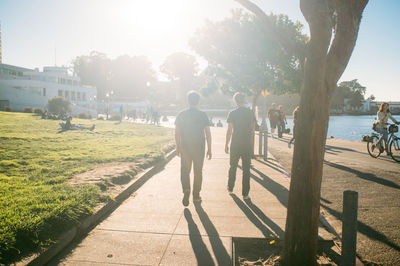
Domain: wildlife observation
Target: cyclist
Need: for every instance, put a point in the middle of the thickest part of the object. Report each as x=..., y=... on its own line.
x=381, y=125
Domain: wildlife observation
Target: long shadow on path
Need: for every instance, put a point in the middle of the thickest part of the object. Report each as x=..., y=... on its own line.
x=220, y=252
x=201, y=252
x=364, y=175
x=265, y=219
x=250, y=215
x=280, y=192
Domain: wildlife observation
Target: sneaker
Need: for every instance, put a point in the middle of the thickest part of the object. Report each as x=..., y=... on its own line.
x=230, y=190
x=185, y=200
x=246, y=197
x=289, y=145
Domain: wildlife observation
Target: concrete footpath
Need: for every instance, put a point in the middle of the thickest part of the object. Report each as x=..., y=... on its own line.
x=152, y=227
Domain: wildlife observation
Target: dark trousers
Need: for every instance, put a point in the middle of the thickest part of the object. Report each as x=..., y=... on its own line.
x=187, y=159
x=281, y=128
x=235, y=154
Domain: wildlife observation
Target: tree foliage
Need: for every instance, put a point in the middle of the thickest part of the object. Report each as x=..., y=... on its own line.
x=125, y=75
x=242, y=58
x=351, y=90
x=181, y=69
x=131, y=76
x=59, y=106
x=94, y=70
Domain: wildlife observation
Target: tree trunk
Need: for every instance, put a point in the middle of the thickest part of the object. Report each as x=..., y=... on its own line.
x=303, y=209
x=322, y=70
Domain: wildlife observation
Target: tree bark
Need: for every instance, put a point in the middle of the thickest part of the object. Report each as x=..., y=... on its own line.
x=303, y=209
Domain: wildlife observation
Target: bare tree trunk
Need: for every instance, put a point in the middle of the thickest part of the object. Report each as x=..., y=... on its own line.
x=302, y=219
x=322, y=70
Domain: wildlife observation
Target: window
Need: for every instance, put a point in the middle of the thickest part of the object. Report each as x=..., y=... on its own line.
x=69, y=82
x=78, y=96
x=83, y=96
x=72, y=95
x=44, y=91
x=67, y=94
x=20, y=74
x=60, y=93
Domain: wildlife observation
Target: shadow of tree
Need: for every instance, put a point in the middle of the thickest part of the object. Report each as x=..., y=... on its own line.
x=364, y=175
x=365, y=229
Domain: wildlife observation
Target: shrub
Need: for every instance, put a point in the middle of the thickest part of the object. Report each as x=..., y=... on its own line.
x=59, y=106
x=38, y=111
x=8, y=109
x=28, y=110
x=84, y=116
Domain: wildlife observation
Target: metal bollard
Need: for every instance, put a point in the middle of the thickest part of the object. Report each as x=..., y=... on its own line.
x=349, y=227
x=265, y=145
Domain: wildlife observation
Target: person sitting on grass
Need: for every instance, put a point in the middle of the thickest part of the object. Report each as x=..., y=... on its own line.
x=68, y=126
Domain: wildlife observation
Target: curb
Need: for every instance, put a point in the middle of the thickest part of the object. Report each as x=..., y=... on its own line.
x=89, y=222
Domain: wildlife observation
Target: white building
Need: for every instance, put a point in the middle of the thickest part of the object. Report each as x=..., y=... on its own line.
x=21, y=87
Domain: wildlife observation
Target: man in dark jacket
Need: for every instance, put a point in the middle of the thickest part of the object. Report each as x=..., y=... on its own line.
x=191, y=130
x=241, y=123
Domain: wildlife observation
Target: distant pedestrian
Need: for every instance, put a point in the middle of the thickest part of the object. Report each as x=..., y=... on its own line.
x=273, y=116
x=121, y=109
x=295, y=115
x=241, y=123
x=192, y=128
x=219, y=124
x=282, y=121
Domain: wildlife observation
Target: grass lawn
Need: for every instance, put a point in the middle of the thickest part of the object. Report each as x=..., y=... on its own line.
x=36, y=160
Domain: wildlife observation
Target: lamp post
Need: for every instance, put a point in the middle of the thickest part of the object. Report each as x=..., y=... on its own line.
x=108, y=98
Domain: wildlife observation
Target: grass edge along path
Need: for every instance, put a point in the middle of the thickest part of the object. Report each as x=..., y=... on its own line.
x=36, y=160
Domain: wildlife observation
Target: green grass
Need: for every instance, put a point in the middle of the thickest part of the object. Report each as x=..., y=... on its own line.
x=36, y=203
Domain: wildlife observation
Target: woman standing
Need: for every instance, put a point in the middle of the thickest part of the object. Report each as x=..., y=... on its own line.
x=381, y=125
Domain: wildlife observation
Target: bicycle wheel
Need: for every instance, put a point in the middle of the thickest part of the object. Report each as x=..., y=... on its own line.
x=374, y=147
x=395, y=149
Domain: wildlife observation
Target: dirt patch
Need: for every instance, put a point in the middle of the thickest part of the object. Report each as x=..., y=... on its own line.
x=110, y=177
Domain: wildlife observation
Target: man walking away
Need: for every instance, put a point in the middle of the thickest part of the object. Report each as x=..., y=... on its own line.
x=191, y=130
x=241, y=123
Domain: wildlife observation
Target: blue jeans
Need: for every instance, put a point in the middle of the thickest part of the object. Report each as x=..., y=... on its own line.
x=385, y=134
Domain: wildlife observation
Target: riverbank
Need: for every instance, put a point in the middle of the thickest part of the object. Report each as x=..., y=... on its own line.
x=349, y=167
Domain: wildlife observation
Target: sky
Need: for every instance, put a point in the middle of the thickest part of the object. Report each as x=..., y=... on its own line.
x=37, y=33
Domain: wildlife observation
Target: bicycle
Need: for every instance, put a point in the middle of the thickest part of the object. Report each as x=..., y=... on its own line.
x=376, y=145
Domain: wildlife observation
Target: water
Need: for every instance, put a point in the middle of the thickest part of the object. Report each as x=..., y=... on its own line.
x=340, y=127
